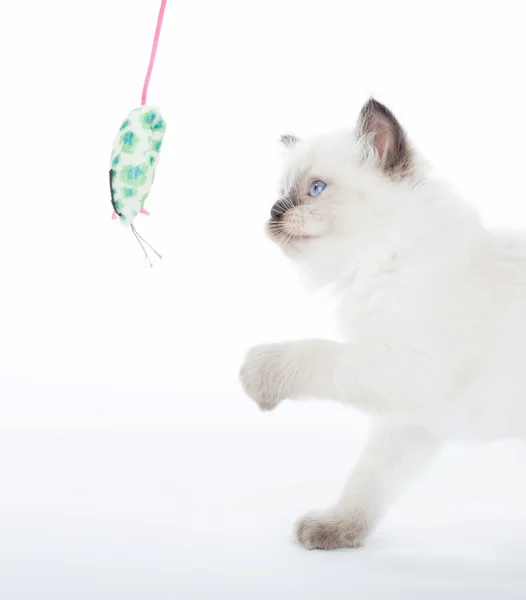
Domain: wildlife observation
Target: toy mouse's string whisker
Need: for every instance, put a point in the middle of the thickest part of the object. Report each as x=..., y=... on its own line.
x=141, y=239
x=142, y=246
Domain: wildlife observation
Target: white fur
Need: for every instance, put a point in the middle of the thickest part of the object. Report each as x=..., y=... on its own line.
x=432, y=310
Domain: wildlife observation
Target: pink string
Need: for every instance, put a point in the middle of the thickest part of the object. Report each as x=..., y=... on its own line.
x=154, y=52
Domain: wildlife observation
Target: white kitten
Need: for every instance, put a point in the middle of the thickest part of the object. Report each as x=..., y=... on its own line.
x=433, y=311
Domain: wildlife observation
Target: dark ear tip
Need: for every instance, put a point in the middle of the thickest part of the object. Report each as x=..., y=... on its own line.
x=372, y=105
x=289, y=140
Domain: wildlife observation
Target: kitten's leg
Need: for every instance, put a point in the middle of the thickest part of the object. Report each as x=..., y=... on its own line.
x=377, y=380
x=393, y=456
x=273, y=372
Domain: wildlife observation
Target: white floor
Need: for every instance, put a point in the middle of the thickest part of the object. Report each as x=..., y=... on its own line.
x=167, y=506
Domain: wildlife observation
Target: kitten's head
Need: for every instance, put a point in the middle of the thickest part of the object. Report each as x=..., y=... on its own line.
x=341, y=186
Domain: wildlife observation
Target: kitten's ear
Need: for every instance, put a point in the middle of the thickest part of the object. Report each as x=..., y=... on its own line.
x=289, y=140
x=382, y=133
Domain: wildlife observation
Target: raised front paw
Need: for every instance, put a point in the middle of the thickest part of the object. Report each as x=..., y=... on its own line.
x=329, y=531
x=264, y=375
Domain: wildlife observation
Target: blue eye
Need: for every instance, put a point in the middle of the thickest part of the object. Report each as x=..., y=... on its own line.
x=317, y=188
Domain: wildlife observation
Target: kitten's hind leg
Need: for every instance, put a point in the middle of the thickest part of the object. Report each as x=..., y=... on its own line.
x=394, y=455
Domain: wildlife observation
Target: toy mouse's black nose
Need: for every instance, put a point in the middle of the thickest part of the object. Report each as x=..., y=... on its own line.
x=278, y=210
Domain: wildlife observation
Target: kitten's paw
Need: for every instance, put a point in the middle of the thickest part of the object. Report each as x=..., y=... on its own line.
x=329, y=531
x=263, y=375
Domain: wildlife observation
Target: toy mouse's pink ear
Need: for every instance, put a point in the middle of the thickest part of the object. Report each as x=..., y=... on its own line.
x=143, y=212
x=382, y=134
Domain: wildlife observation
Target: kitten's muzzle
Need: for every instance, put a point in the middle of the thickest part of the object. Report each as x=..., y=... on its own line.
x=278, y=210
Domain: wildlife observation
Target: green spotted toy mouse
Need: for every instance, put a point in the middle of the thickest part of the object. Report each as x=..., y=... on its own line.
x=135, y=155
x=134, y=158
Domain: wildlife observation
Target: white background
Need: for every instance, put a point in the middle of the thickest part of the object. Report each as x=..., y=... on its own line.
x=131, y=464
